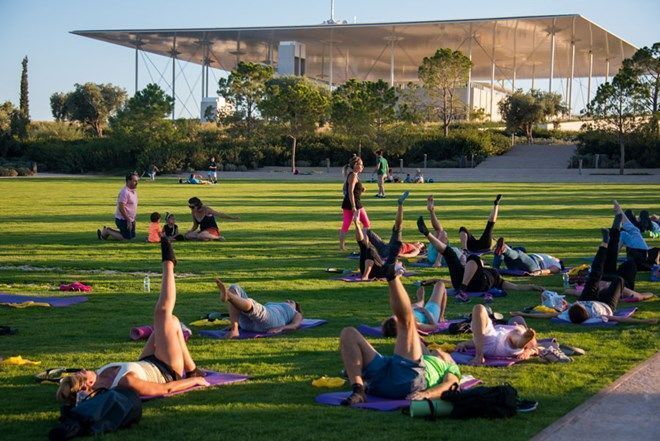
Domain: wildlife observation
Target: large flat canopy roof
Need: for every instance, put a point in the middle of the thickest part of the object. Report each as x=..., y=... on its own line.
x=368, y=51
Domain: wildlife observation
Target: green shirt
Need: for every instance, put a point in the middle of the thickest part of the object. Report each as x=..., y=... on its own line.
x=437, y=369
x=382, y=166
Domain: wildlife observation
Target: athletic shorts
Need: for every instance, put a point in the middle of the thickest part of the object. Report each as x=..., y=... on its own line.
x=394, y=377
x=167, y=372
x=213, y=231
x=122, y=224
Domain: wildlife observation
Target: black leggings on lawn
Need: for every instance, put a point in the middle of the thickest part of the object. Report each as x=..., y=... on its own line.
x=485, y=242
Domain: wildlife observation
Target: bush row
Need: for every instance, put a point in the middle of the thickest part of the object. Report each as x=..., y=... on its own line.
x=642, y=149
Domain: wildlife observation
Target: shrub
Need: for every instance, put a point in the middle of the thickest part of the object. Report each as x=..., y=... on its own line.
x=8, y=171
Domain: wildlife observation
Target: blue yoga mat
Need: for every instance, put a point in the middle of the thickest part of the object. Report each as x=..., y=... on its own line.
x=55, y=302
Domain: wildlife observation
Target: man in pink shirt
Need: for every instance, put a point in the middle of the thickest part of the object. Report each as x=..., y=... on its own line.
x=125, y=213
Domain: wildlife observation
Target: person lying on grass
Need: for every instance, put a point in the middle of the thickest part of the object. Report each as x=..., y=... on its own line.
x=164, y=360
x=473, y=277
x=469, y=243
x=490, y=340
x=427, y=316
x=441, y=234
x=637, y=249
x=408, y=373
x=249, y=315
x=594, y=302
x=371, y=257
x=516, y=259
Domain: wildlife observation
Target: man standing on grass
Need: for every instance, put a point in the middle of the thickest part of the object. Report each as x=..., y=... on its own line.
x=213, y=170
x=381, y=171
x=125, y=213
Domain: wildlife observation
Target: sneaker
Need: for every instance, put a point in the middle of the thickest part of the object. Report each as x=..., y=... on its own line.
x=526, y=405
x=98, y=234
x=571, y=350
x=554, y=355
x=499, y=247
x=462, y=296
x=488, y=298
x=403, y=197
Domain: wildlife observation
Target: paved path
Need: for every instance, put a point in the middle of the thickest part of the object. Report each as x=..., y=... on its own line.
x=531, y=157
x=627, y=410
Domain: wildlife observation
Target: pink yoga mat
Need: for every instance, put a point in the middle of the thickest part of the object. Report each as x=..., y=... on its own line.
x=143, y=333
x=214, y=378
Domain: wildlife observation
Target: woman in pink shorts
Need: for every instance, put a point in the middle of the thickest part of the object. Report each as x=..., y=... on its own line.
x=351, y=205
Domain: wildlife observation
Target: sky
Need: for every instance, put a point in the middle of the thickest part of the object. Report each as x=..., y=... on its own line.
x=57, y=59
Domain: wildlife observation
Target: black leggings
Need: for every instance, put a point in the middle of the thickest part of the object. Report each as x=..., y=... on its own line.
x=485, y=242
x=609, y=295
x=368, y=251
x=644, y=259
x=480, y=282
x=627, y=270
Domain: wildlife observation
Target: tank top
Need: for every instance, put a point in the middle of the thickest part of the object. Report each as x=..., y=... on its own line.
x=142, y=369
x=357, y=192
x=208, y=221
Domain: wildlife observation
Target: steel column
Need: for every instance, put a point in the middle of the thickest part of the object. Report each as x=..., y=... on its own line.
x=552, y=56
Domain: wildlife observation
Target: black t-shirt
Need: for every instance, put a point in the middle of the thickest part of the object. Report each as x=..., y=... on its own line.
x=357, y=192
x=171, y=231
x=213, y=166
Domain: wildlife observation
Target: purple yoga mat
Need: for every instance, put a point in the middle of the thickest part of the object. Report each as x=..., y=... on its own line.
x=214, y=378
x=422, y=264
x=55, y=302
x=627, y=312
x=377, y=403
x=356, y=277
x=467, y=356
x=145, y=331
x=376, y=331
x=494, y=291
x=220, y=333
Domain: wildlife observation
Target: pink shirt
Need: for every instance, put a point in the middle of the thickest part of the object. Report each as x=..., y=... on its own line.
x=129, y=198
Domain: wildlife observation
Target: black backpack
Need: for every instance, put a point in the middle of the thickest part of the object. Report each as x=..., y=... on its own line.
x=482, y=402
x=105, y=411
x=460, y=328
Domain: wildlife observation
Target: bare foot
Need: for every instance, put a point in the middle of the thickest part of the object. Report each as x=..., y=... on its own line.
x=430, y=203
x=231, y=334
x=224, y=295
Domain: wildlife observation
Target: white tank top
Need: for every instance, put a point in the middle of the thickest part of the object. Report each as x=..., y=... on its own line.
x=144, y=370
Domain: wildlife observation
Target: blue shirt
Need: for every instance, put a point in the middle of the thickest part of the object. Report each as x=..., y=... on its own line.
x=631, y=237
x=279, y=314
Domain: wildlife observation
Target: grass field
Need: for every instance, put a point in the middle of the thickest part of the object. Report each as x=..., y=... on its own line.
x=286, y=238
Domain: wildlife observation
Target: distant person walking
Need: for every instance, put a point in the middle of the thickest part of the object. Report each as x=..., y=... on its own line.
x=125, y=213
x=152, y=172
x=213, y=170
x=381, y=171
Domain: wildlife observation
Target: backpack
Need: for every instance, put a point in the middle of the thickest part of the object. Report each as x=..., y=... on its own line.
x=482, y=402
x=578, y=275
x=460, y=328
x=105, y=411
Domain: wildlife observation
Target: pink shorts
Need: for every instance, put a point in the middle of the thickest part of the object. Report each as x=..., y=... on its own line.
x=348, y=219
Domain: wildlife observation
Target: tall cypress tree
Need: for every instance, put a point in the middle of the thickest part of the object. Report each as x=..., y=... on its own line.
x=24, y=105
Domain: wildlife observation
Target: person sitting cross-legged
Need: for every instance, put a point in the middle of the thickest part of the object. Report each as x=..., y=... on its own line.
x=408, y=373
x=249, y=315
x=473, y=277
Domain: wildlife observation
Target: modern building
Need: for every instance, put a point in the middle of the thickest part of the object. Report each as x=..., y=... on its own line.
x=555, y=53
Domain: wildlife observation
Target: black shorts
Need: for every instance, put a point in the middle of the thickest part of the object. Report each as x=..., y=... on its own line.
x=164, y=368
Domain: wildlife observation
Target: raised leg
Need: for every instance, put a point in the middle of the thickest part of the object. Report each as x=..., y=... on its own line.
x=479, y=326
x=439, y=296
x=407, y=343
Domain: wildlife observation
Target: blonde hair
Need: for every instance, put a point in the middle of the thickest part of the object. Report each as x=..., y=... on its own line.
x=69, y=387
x=351, y=164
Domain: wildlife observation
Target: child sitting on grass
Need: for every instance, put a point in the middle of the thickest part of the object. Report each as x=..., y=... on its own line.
x=154, y=228
x=171, y=229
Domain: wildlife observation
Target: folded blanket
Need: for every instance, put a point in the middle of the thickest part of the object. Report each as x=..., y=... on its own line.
x=75, y=286
x=221, y=333
x=384, y=404
x=376, y=331
x=214, y=379
x=56, y=302
x=627, y=312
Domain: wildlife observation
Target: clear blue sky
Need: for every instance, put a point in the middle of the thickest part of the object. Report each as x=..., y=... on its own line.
x=57, y=59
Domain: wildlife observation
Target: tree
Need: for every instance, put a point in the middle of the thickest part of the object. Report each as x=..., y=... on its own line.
x=297, y=106
x=244, y=89
x=441, y=76
x=522, y=111
x=58, y=106
x=92, y=104
x=361, y=108
x=645, y=66
x=619, y=108
x=24, y=104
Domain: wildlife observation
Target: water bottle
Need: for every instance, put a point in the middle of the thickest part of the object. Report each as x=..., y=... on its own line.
x=147, y=283
x=565, y=277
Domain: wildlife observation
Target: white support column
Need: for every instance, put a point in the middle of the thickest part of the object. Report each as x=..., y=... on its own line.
x=515, y=56
x=137, y=48
x=552, y=55
x=469, y=82
x=591, y=71
x=208, y=66
x=203, y=77
x=533, y=64
x=346, y=72
x=570, y=84
x=392, y=62
x=492, y=74
x=607, y=70
x=330, y=60
x=173, y=77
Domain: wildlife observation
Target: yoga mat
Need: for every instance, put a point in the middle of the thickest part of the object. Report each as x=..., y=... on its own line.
x=143, y=332
x=356, y=278
x=467, y=356
x=521, y=273
x=243, y=335
x=627, y=312
x=591, y=259
x=383, y=404
x=55, y=302
x=353, y=256
x=494, y=291
x=214, y=379
x=376, y=331
x=422, y=264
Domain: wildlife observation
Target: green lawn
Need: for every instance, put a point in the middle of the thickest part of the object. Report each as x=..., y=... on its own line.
x=287, y=237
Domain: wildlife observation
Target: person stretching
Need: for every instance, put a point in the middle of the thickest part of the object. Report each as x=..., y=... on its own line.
x=516, y=259
x=249, y=315
x=474, y=277
x=427, y=316
x=408, y=373
x=164, y=358
x=441, y=234
x=490, y=340
x=595, y=303
x=485, y=242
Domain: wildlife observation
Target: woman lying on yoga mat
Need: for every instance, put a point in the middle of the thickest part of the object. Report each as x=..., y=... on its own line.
x=249, y=315
x=534, y=264
x=439, y=232
x=490, y=340
x=427, y=316
x=164, y=359
x=371, y=257
x=637, y=249
x=485, y=241
x=594, y=302
x=204, y=219
x=474, y=277
x=406, y=374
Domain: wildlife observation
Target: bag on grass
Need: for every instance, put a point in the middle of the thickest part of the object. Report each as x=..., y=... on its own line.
x=106, y=411
x=482, y=401
x=460, y=328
